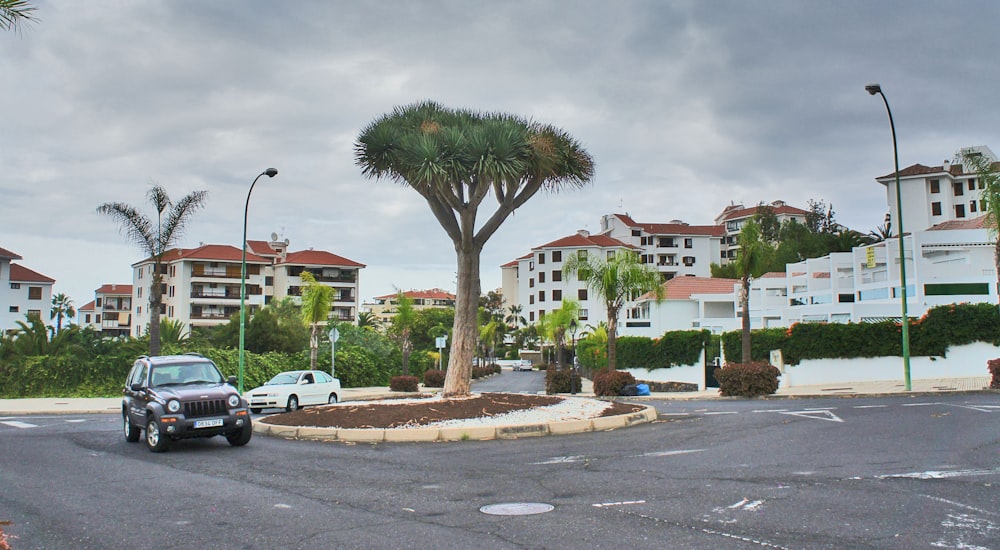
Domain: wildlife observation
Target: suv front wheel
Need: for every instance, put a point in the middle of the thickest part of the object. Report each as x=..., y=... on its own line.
x=155, y=440
x=240, y=437
x=131, y=432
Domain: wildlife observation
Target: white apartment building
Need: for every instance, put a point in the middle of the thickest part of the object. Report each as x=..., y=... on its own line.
x=935, y=194
x=110, y=312
x=201, y=286
x=384, y=308
x=951, y=262
x=22, y=292
x=541, y=284
x=735, y=215
x=674, y=248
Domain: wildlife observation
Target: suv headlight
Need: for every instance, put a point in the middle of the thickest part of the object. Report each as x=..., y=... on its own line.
x=234, y=401
x=173, y=405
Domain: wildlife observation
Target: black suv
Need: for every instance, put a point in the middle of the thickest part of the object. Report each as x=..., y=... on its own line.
x=181, y=396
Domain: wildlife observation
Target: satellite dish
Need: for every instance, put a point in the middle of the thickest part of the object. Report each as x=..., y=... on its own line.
x=274, y=236
x=286, y=242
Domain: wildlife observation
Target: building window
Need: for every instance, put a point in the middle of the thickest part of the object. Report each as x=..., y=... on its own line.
x=531, y=283
x=531, y=316
x=98, y=302
x=86, y=318
x=15, y=286
x=981, y=184
x=170, y=292
x=935, y=186
x=34, y=293
x=982, y=205
x=541, y=313
x=34, y=312
x=688, y=243
x=138, y=292
x=581, y=294
x=956, y=187
x=173, y=271
x=557, y=295
x=531, y=299
x=972, y=206
x=557, y=255
x=583, y=315
x=636, y=232
x=556, y=276
x=688, y=260
x=935, y=209
x=972, y=185
x=541, y=258
x=541, y=277
x=13, y=309
x=138, y=311
x=170, y=311
x=541, y=296
x=959, y=210
x=581, y=254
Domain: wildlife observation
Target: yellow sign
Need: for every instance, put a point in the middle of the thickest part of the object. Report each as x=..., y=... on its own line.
x=870, y=251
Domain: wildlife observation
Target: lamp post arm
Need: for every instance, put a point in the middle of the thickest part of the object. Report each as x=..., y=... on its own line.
x=270, y=172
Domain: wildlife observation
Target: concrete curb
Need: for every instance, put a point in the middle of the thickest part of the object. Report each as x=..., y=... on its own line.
x=455, y=433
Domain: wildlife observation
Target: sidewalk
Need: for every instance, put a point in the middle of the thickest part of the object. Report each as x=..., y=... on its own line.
x=59, y=405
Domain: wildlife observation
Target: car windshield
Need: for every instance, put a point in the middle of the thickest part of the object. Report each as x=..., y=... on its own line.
x=185, y=373
x=283, y=378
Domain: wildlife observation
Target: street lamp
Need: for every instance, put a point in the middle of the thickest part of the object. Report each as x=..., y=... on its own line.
x=876, y=89
x=572, y=370
x=270, y=172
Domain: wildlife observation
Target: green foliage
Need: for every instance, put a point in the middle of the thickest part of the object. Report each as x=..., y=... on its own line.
x=763, y=341
x=610, y=382
x=559, y=380
x=636, y=352
x=747, y=379
x=592, y=353
x=404, y=383
x=680, y=347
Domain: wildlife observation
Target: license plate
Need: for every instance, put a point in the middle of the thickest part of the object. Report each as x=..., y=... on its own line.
x=213, y=423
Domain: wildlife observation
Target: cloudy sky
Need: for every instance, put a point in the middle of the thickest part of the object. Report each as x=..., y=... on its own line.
x=685, y=106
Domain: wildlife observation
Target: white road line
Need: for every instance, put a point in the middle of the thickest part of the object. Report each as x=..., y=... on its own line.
x=919, y=404
x=623, y=503
x=671, y=453
x=770, y=411
x=816, y=415
x=560, y=460
x=76, y=420
x=980, y=408
x=869, y=406
x=18, y=424
x=675, y=414
x=722, y=412
x=960, y=505
x=937, y=474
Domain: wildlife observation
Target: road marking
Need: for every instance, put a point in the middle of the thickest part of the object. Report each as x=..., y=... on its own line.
x=622, y=503
x=960, y=505
x=919, y=404
x=822, y=414
x=980, y=408
x=18, y=424
x=770, y=411
x=722, y=412
x=76, y=420
x=560, y=460
x=869, y=406
x=671, y=453
x=938, y=474
x=746, y=504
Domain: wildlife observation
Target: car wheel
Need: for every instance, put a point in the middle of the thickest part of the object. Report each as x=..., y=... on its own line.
x=332, y=399
x=240, y=437
x=293, y=403
x=131, y=432
x=156, y=441
x=255, y=411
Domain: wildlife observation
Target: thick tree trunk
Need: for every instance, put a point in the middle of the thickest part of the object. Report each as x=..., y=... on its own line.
x=155, y=299
x=313, y=346
x=458, y=379
x=612, y=341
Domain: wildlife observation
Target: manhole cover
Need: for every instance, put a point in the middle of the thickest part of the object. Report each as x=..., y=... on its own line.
x=516, y=508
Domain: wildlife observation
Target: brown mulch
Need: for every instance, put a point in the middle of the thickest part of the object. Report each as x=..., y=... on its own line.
x=390, y=414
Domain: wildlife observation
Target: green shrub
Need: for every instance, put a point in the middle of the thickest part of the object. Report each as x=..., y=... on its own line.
x=593, y=354
x=679, y=347
x=434, y=378
x=404, y=383
x=609, y=383
x=635, y=352
x=747, y=379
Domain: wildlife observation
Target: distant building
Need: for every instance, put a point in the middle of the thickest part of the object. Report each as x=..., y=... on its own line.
x=201, y=286
x=733, y=217
x=384, y=308
x=110, y=312
x=22, y=292
x=674, y=248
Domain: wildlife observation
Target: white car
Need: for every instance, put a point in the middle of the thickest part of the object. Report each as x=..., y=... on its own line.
x=525, y=364
x=294, y=389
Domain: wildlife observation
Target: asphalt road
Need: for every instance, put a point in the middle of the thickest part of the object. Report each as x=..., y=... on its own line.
x=895, y=472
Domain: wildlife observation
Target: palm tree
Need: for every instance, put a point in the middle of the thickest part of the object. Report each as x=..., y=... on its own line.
x=173, y=331
x=367, y=320
x=751, y=262
x=62, y=306
x=316, y=298
x=556, y=323
x=615, y=281
x=454, y=159
x=402, y=325
x=880, y=233
x=514, y=319
x=15, y=12
x=154, y=239
x=988, y=172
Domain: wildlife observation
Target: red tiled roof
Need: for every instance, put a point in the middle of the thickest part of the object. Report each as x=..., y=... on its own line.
x=261, y=248
x=970, y=223
x=21, y=274
x=89, y=306
x=673, y=228
x=4, y=253
x=681, y=288
x=747, y=212
x=921, y=170
x=214, y=252
x=114, y=289
x=431, y=294
x=318, y=257
x=578, y=240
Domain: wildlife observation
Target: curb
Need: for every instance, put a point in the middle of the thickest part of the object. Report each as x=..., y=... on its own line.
x=455, y=433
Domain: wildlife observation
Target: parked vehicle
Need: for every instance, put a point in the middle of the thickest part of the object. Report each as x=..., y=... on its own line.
x=523, y=364
x=173, y=397
x=294, y=389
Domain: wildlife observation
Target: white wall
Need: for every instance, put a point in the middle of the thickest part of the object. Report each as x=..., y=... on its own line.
x=690, y=374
